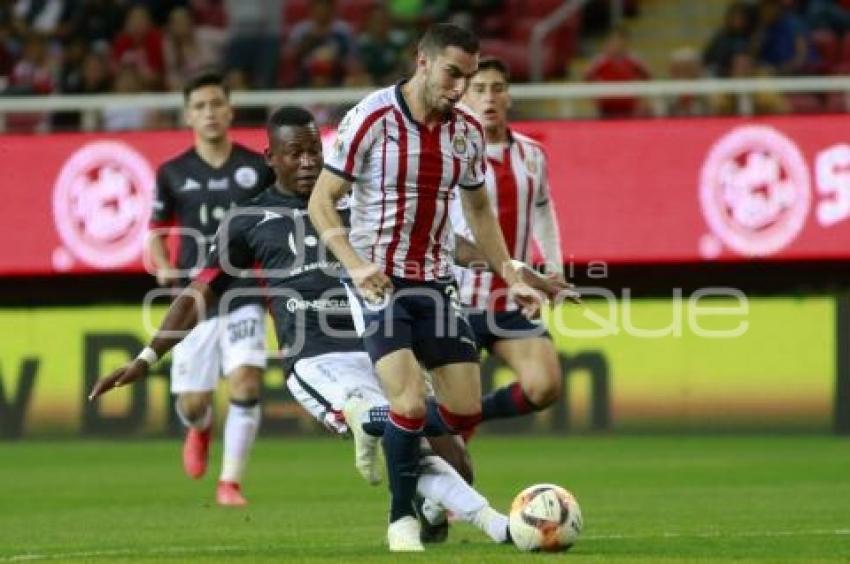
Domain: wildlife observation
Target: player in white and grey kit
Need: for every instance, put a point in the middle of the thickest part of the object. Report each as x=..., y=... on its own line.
x=326, y=362
x=194, y=191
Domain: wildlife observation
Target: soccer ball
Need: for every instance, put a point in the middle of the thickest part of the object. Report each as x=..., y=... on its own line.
x=545, y=517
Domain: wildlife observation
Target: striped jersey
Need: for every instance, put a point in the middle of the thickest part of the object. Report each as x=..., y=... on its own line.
x=404, y=176
x=517, y=182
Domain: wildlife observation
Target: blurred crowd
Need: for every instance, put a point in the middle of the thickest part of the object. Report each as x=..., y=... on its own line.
x=132, y=46
x=758, y=38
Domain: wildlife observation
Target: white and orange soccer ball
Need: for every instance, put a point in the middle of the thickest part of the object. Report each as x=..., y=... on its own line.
x=545, y=517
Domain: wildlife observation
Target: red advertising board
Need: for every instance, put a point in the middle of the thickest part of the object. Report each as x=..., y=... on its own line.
x=626, y=191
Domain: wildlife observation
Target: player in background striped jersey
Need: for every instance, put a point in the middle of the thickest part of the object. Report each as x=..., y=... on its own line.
x=401, y=152
x=518, y=186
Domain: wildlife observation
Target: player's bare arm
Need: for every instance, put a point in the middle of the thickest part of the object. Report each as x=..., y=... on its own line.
x=372, y=283
x=491, y=242
x=551, y=285
x=181, y=317
x=467, y=253
x=165, y=273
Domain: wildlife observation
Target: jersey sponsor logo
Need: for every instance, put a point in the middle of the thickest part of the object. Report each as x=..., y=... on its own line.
x=322, y=304
x=218, y=184
x=246, y=177
x=190, y=184
x=754, y=192
x=102, y=200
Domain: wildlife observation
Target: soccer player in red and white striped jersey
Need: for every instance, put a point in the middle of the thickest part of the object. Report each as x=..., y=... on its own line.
x=518, y=186
x=401, y=151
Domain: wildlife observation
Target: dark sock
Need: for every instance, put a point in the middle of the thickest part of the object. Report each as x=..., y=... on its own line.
x=509, y=401
x=401, y=448
x=376, y=420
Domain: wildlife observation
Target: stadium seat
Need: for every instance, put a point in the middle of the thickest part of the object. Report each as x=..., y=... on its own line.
x=828, y=48
x=295, y=11
x=354, y=12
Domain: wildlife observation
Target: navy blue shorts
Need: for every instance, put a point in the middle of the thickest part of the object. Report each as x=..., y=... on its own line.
x=425, y=317
x=490, y=327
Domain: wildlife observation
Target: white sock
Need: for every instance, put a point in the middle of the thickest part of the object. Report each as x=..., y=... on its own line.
x=441, y=484
x=240, y=430
x=493, y=523
x=201, y=423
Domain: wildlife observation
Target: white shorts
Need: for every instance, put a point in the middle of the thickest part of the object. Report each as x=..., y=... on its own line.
x=321, y=384
x=216, y=347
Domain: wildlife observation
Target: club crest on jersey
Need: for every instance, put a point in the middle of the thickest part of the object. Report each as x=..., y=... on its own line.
x=459, y=144
x=246, y=177
x=531, y=166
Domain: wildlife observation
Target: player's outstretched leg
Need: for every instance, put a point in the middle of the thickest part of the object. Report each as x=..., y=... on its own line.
x=441, y=486
x=195, y=411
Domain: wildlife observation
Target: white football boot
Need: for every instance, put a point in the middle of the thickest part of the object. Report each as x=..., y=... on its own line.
x=366, y=451
x=403, y=535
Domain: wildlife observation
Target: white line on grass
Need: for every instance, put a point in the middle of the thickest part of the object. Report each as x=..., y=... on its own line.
x=717, y=534
x=175, y=550
x=165, y=550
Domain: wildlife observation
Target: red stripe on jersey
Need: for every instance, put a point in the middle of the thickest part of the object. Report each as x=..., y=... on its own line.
x=507, y=190
x=528, y=204
x=383, y=192
x=476, y=286
x=401, y=181
x=360, y=134
x=428, y=179
x=446, y=195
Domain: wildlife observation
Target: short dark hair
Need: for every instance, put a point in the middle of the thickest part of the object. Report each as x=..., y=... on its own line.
x=443, y=35
x=205, y=78
x=294, y=116
x=496, y=64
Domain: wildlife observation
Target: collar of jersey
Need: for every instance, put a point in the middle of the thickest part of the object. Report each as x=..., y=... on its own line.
x=276, y=195
x=406, y=110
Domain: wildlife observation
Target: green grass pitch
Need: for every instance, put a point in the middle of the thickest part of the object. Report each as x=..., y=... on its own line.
x=644, y=499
